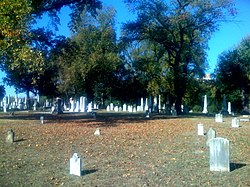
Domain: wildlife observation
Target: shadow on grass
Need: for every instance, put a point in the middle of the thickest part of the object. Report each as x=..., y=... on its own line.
x=234, y=166
x=20, y=140
x=88, y=171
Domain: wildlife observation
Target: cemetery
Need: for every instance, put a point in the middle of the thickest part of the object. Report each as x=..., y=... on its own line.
x=122, y=147
x=124, y=93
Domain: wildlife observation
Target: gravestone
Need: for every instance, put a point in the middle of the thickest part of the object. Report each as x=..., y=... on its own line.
x=146, y=104
x=72, y=104
x=10, y=136
x=205, y=111
x=210, y=135
x=147, y=114
x=57, y=108
x=229, y=108
x=35, y=105
x=142, y=104
x=116, y=109
x=219, y=154
x=108, y=108
x=235, y=122
x=218, y=118
x=42, y=120
x=82, y=104
x=97, y=132
x=77, y=108
x=200, y=128
x=245, y=118
x=124, y=107
x=75, y=165
x=111, y=106
x=89, y=107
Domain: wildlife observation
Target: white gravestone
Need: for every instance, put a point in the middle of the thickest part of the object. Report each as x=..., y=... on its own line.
x=219, y=154
x=83, y=104
x=200, y=128
x=72, y=104
x=111, y=106
x=205, y=111
x=90, y=107
x=218, y=118
x=108, y=108
x=42, y=120
x=235, y=122
x=146, y=104
x=116, y=109
x=124, y=108
x=77, y=108
x=210, y=135
x=75, y=165
x=97, y=132
x=229, y=108
x=10, y=136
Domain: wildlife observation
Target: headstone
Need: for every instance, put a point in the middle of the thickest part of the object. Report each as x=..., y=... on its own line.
x=146, y=104
x=229, y=108
x=159, y=103
x=134, y=109
x=116, y=109
x=108, y=108
x=57, y=108
x=90, y=107
x=219, y=154
x=205, y=111
x=72, y=104
x=235, y=122
x=142, y=104
x=124, y=107
x=75, y=165
x=5, y=104
x=77, y=108
x=155, y=106
x=210, y=135
x=42, y=120
x=173, y=110
x=82, y=104
x=219, y=118
x=147, y=114
x=10, y=136
x=245, y=118
x=97, y=132
x=35, y=105
x=130, y=108
x=120, y=109
x=200, y=128
x=111, y=106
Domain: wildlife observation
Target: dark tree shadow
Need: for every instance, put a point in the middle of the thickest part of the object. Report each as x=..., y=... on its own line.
x=88, y=171
x=234, y=166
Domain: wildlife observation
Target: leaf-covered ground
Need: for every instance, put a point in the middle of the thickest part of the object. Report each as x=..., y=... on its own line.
x=131, y=151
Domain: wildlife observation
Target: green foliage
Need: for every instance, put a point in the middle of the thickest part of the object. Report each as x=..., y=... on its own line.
x=182, y=29
x=233, y=78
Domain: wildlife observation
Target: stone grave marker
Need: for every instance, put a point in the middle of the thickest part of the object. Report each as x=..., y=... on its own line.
x=42, y=120
x=205, y=111
x=116, y=109
x=219, y=154
x=245, y=118
x=147, y=114
x=97, y=132
x=10, y=136
x=210, y=135
x=108, y=108
x=200, y=128
x=124, y=107
x=235, y=122
x=75, y=165
x=218, y=118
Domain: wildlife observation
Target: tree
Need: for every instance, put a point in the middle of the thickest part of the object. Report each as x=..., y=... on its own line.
x=232, y=74
x=182, y=28
x=88, y=60
x=23, y=60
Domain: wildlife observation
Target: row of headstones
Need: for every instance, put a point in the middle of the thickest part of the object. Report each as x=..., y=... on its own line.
x=18, y=103
x=235, y=121
x=219, y=152
x=226, y=106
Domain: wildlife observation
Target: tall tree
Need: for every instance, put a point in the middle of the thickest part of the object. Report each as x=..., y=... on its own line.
x=232, y=74
x=182, y=28
x=88, y=61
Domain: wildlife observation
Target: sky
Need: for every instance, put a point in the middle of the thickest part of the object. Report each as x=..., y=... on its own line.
x=228, y=36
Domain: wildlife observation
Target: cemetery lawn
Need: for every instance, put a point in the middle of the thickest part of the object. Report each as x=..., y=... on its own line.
x=131, y=150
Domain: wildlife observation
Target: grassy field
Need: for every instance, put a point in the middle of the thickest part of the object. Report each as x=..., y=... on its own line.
x=131, y=151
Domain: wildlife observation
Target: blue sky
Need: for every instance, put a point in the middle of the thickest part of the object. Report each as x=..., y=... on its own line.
x=228, y=36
